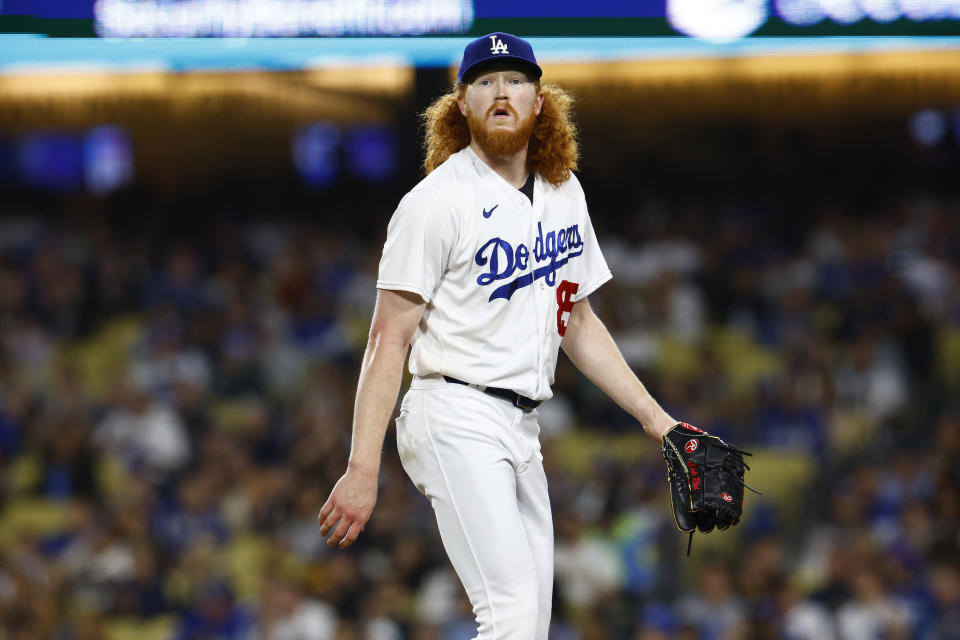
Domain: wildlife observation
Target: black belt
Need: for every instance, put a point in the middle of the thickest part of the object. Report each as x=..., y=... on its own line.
x=514, y=398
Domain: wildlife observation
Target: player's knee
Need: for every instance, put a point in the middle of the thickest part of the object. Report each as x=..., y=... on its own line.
x=517, y=616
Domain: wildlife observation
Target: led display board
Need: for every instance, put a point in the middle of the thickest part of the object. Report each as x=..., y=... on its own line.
x=710, y=19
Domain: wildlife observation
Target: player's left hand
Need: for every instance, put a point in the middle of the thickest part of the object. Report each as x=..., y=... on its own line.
x=348, y=508
x=706, y=479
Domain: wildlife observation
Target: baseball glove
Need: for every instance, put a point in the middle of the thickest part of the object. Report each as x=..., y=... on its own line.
x=706, y=479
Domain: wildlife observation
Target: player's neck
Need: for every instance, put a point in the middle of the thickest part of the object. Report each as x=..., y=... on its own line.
x=512, y=168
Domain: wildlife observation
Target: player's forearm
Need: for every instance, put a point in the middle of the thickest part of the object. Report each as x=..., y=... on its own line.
x=593, y=351
x=377, y=389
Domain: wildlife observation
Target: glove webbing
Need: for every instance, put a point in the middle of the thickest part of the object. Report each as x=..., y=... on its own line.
x=728, y=467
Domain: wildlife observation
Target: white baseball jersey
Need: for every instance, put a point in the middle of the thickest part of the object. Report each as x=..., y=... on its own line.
x=499, y=274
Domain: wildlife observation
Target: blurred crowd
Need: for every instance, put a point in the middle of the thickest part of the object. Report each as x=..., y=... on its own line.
x=174, y=408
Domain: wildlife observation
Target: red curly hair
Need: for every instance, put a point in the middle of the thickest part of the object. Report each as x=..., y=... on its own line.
x=553, y=150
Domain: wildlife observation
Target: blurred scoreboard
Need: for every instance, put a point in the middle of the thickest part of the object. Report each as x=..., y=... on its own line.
x=319, y=84
x=709, y=19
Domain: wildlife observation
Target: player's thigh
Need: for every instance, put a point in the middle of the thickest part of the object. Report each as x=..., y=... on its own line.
x=452, y=447
x=534, y=504
x=533, y=500
x=533, y=495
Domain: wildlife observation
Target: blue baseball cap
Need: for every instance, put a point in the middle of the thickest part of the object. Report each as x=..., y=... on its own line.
x=498, y=46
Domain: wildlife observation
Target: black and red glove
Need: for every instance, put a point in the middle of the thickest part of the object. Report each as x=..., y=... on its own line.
x=706, y=479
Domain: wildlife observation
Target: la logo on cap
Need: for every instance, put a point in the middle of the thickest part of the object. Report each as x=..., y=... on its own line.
x=497, y=45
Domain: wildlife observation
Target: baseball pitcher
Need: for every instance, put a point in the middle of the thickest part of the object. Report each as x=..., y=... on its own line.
x=484, y=276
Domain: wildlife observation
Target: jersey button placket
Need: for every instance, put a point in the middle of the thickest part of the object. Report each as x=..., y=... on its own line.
x=537, y=295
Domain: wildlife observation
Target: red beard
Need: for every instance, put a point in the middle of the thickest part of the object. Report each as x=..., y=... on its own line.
x=499, y=142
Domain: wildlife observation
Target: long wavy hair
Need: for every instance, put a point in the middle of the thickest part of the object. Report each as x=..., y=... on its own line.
x=553, y=150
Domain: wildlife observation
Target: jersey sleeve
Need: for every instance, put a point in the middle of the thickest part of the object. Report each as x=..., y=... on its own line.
x=593, y=267
x=420, y=240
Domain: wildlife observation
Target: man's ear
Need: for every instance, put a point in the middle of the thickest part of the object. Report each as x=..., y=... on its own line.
x=539, y=103
x=462, y=103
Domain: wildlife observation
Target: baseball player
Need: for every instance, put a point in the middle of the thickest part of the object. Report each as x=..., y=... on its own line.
x=484, y=275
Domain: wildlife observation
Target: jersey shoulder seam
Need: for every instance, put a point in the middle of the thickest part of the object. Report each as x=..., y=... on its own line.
x=453, y=211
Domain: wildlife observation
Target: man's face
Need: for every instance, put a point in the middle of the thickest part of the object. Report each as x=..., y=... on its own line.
x=501, y=106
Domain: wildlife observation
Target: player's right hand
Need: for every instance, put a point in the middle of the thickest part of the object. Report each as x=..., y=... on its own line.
x=348, y=508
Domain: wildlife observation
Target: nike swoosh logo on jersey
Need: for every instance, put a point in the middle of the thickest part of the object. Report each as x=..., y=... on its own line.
x=488, y=213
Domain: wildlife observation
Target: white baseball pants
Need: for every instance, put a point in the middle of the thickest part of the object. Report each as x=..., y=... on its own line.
x=478, y=460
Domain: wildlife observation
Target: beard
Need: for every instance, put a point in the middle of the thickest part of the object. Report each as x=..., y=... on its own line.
x=498, y=142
